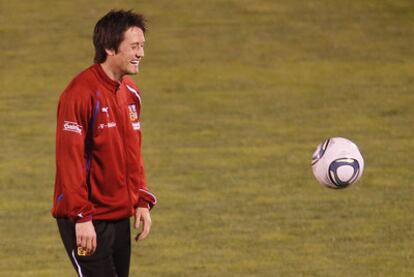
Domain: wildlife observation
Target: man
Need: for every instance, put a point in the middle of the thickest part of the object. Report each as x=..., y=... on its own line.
x=100, y=178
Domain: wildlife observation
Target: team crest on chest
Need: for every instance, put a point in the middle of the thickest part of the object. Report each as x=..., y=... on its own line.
x=133, y=114
x=133, y=117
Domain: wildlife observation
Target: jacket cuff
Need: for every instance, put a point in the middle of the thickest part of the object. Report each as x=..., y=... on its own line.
x=146, y=199
x=83, y=219
x=143, y=204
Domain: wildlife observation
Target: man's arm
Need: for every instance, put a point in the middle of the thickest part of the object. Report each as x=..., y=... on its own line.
x=72, y=167
x=146, y=201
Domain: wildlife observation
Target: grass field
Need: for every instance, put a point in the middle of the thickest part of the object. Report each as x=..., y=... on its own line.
x=236, y=96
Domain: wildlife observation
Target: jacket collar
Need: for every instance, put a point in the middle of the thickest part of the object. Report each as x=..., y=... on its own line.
x=106, y=81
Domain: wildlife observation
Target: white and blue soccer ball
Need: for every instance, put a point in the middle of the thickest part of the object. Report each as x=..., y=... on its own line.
x=337, y=163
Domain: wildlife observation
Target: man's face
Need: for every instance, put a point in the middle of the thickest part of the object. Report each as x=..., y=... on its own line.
x=130, y=52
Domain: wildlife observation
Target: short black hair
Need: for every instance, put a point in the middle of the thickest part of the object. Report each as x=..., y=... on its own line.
x=109, y=31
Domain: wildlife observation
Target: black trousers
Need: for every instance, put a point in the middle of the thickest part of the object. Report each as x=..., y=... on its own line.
x=113, y=251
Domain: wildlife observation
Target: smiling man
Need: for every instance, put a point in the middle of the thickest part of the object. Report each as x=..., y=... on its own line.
x=100, y=180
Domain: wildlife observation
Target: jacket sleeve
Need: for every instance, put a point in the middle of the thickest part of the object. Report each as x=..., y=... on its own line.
x=71, y=190
x=146, y=199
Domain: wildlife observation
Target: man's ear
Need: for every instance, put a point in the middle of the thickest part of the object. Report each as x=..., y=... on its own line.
x=110, y=52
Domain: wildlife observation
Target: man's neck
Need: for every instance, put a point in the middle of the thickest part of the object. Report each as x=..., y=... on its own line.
x=112, y=74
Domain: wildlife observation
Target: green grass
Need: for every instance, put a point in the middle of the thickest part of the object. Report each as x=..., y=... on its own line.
x=237, y=94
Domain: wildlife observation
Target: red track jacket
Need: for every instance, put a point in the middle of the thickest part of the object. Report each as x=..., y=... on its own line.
x=99, y=168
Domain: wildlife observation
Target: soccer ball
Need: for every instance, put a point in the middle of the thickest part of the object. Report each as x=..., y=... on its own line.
x=337, y=163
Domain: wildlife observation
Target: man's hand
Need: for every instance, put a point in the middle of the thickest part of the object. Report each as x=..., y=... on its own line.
x=142, y=214
x=86, y=236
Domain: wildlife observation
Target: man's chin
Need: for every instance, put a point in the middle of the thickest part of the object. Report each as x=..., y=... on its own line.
x=132, y=70
x=135, y=71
